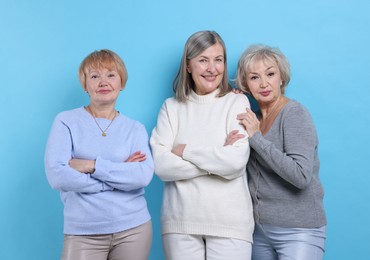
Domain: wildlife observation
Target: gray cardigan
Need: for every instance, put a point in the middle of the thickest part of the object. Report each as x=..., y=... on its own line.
x=283, y=172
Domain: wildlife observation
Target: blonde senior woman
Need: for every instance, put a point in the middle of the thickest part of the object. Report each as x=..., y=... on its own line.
x=100, y=162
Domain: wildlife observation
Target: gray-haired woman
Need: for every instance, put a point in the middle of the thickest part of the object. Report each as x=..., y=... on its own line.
x=207, y=209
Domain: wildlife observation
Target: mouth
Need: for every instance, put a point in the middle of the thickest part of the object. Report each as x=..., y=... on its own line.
x=265, y=93
x=104, y=91
x=209, y=77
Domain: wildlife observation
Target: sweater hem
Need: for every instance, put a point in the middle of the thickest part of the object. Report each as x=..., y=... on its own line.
x=242, y=233
x=104, y=228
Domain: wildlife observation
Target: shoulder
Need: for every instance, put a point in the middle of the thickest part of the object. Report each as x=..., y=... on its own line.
x=130, y=122
x=293, y=107
x=236, y=100
x=296, y=113
x=170, y=102
x=171, y=99
x=171, y=105
x=68, y=115
x=132, y=127
x=239, y=97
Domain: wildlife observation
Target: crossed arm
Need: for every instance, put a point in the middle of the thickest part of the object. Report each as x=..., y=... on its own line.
x=88, y=166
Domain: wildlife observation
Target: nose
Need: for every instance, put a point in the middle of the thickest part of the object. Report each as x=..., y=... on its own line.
x=264, y=82
x=211, y=66
x=103, y=81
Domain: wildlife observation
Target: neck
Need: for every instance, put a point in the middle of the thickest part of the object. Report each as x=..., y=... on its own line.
x=268, y=109
x=107, y=112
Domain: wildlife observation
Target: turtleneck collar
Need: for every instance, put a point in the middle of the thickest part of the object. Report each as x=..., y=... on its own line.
x=194, y=97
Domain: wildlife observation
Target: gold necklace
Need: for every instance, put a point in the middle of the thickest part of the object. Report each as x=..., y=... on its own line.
x=103, y=132
x=266, y=123
x=274, y=107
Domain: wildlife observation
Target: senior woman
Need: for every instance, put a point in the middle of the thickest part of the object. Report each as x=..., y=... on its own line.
x=207, y=209
x=100, y=162
x=283, y=168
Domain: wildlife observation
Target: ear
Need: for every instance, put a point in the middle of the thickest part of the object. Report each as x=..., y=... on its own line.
x=188, y=67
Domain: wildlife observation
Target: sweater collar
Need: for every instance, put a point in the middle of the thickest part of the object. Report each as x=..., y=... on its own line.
x=194, y=97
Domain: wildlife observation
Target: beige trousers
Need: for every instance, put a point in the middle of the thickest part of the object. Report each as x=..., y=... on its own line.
x=132, y=244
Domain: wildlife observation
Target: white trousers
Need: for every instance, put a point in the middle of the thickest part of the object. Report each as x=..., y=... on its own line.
x=198, y=247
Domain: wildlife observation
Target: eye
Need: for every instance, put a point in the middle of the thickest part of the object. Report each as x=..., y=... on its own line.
x=202, y=60
x=220, y=60
x=271, y=74
x=253, y=77
x=94, y=76
x=111, y=75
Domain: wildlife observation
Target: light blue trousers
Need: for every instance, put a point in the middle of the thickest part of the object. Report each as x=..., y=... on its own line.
x=276, y=243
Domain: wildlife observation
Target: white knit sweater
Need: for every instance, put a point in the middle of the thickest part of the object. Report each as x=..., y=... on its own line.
x=206, y=191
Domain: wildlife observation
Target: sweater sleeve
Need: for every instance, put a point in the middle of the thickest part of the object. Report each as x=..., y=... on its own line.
x=228, y=161
x=294, y=164
x=60, y=175
x=168, y=166
x=127, y=176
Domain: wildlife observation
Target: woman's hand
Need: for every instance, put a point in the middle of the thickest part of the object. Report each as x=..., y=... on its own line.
x=233, y=137
x=250, y=121
x=237, y=91
x=136, y=157
x=179, y=150
x=83, y=166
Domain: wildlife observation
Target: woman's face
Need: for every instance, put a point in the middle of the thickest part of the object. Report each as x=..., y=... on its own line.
x=103, y=85
x=264, y=81
x=207, y=69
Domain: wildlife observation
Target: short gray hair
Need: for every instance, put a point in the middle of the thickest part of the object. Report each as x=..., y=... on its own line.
x=257, y=53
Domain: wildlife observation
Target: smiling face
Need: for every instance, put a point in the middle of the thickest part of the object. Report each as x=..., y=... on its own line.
x=103, y=85
x=207, y=69
x=264, y=81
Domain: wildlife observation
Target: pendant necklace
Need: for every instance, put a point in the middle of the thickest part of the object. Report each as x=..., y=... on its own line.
x=103, y=132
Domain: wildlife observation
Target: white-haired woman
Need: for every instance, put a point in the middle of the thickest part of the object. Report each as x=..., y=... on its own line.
x=283, y=168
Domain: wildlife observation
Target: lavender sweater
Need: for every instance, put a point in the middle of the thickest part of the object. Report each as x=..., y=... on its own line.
x=111, y=199
x=283, y=172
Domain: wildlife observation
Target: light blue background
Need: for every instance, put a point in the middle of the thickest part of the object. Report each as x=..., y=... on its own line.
x=43, y=42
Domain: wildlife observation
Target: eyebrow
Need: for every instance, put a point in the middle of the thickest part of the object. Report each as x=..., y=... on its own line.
x=202, y=56
x=97, y=71
x=251, y=72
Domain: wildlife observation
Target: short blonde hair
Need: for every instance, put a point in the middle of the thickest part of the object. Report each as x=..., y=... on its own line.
x=106, y=59
x=257, y=53
x=195, y=45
